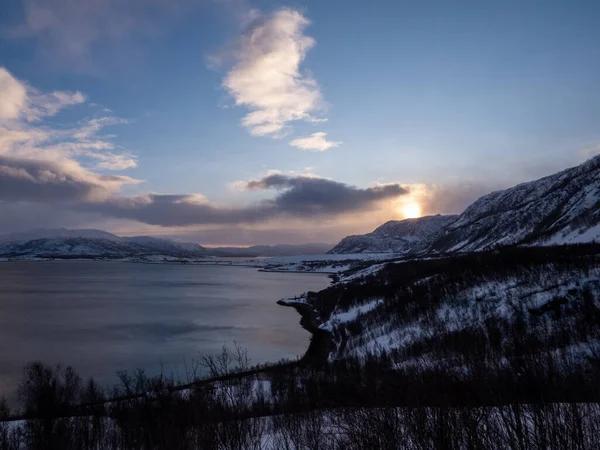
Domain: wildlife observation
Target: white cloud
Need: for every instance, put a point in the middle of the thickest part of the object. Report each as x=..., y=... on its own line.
x=25, y=137
x=13, y=96
x=316, y=142
x=46, y=105
x=114, y=161
x=266, y=76
x=19, y=101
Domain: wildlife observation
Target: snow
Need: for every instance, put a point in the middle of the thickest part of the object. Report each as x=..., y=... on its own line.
x=339, y=317
x=326, y=263
x=470, y=307
x=325, y=257
x=401, y=237
x=371, y=270
x=291, y=301
x=576, y=237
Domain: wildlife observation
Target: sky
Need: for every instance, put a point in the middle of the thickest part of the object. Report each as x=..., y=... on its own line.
x=240, y=122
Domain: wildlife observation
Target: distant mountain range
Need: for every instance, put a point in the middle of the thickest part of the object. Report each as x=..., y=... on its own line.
x=64, y=243
x=563, y=208
x=97, y=244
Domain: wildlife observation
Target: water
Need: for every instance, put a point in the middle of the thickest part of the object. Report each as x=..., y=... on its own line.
x=102, y=317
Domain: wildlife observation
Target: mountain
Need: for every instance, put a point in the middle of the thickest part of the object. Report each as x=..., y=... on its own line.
x=57, y=233
x=64, y=243
x=396, y=236
x=90, y=243
x=563, y=208
x=271, y=250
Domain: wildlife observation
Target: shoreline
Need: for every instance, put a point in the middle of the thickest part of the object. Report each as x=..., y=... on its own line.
x=321, y=341
x=226, y=263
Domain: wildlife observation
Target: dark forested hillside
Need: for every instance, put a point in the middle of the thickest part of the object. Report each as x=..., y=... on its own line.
x=547, y=297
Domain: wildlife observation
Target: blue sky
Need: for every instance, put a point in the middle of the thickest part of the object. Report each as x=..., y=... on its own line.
x=444, y=100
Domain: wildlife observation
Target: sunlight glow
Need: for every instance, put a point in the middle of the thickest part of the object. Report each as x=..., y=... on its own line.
x=411, y=210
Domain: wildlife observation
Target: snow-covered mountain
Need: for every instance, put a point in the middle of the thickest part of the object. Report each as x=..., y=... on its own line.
x=563, y=208
x=396, y=236
x=42, y=233
x=64, y=243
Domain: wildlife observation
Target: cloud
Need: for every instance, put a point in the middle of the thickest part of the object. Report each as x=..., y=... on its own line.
x=46, y=105
x=299, y=197
x=81, y=34
x=316, y=142
x=111, y=161
x=46, y=181
x=266, y=76
x=13, y=96
x=42, y=164
x=310, y=196
x=24, y=135
x=19, y=101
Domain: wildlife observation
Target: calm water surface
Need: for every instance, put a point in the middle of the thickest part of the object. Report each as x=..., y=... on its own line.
x=102, y=317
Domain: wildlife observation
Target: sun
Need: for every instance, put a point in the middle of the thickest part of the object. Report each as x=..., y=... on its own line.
x=411, y=210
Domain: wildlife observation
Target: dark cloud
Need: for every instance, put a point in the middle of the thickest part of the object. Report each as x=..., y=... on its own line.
x=242, y=236
x=45, y=181
x=177, y=210
x=75, y=188
x=299, y=197
x=314, y=196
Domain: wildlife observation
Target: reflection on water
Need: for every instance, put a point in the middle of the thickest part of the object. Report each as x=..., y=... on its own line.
x=101, y=317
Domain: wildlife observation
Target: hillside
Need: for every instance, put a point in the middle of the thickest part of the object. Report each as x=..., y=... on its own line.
x=563, y=208
x=470, y=306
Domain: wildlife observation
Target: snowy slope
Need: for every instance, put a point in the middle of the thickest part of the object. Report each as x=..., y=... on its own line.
x=560, y=208
x=396, y=236
x=470, y=308
x=63, y=243
x=419, y=306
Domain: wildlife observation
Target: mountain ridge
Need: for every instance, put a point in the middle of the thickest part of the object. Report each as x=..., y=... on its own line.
x=395, y=236
x=91, y=243
x=561, y=208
